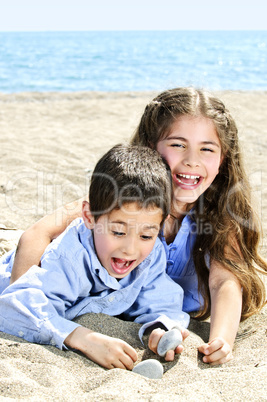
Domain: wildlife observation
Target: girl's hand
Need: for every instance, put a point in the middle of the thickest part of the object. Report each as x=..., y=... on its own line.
x=154, y=338
x=102, y=349
x=216, y=351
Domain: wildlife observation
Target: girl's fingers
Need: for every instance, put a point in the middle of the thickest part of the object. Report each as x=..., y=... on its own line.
x=217, y=351
x=218, y=357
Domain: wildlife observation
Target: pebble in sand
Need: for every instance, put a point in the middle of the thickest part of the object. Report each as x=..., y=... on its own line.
x=169, y=341
x=149, y=368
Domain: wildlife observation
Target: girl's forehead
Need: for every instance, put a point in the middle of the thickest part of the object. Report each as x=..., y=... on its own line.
x=192, y=124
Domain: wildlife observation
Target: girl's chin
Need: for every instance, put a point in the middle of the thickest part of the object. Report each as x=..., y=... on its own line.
x=185, y=196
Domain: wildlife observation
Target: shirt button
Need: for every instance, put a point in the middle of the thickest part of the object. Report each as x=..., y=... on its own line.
x=111, y=299
x=170, y=262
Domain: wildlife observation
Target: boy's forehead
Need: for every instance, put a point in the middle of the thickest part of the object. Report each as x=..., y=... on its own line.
x=132, y=213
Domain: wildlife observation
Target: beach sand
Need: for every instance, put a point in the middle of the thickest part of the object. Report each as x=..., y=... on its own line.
x=49, y=144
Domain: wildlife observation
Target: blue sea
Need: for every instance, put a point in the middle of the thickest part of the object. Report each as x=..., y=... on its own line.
x=132, y=60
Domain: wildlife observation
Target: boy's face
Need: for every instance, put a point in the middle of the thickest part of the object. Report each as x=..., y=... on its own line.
x=124, y=237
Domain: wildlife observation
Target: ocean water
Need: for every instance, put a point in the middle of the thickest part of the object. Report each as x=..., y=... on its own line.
x=132, y=60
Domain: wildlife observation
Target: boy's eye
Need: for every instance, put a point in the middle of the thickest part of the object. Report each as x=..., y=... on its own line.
x=118, y=234
x=146, y=237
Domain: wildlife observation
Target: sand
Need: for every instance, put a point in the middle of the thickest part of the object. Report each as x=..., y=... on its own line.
x=49, y=144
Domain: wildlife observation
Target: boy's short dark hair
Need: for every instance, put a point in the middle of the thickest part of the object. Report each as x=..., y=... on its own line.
x=126, y=174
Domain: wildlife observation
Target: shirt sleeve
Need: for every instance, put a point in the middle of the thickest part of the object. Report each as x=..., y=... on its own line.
x=34, y=306
x=160, y=299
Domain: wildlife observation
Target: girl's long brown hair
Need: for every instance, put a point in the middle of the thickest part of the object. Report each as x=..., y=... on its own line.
x=225, y=206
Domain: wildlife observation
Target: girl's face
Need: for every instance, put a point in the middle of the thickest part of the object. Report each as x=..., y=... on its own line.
x=193, y=152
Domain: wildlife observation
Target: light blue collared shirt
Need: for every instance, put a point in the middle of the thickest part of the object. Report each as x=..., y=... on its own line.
x=41, y=305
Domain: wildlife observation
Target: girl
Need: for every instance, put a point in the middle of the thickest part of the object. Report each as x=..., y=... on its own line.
x=212, y=236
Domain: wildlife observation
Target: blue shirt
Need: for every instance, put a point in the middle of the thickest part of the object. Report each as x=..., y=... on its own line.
x=180, y=264
x=40, y=305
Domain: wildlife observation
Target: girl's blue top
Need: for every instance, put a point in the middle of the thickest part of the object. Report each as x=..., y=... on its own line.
x=180, y=264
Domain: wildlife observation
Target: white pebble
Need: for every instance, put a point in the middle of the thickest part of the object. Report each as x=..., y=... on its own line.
x=169, y=341
x=149, y=368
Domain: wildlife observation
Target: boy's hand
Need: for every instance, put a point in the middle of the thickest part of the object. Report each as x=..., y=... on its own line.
x=216, y=351
x=154, y=338
x=102, y=349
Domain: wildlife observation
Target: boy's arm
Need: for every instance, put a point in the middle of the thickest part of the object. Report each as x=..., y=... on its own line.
x=35, y=307
x=102, y=349
x=226, y=305
x=34, y=240
x=159, y=303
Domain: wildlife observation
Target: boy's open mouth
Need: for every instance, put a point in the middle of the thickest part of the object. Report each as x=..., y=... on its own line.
x=187, y=179
x=120, y=266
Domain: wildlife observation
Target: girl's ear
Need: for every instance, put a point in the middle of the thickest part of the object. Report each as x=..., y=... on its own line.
x=87, y=216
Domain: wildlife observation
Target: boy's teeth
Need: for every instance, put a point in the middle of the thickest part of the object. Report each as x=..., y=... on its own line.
x=122, y=263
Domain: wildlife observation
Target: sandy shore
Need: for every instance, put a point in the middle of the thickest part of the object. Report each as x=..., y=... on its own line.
x=49, y=142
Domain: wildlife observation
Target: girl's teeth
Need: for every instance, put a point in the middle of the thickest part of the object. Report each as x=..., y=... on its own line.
x=187, y=176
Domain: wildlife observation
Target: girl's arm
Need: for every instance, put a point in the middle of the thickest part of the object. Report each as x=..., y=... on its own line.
x=34, y=240
x=226, y=306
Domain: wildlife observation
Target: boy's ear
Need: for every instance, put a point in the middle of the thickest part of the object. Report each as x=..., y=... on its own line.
x=87, y=216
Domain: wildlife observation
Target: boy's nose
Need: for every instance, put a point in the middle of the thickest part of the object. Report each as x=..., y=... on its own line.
x=129, y=246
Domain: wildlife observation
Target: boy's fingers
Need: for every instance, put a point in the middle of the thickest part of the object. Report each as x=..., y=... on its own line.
x=179, y=349
x=185, y=333
x=127, y=362
x=154, y=338
x=169, y=357
x=131, y=352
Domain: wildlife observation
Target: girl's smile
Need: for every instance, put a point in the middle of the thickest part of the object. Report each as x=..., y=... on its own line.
x=193, y=152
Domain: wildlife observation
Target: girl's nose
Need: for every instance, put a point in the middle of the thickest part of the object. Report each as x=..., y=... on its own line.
x=191, y=159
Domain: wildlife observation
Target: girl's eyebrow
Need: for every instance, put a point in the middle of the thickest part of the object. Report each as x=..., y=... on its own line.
x=185, y=140
x=211, y=143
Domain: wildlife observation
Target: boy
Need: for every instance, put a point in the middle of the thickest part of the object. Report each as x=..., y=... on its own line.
x=111, y=261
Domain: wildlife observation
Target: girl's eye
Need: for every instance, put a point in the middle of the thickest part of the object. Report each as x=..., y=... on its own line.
x=175, y=145
x=207, y=150
x=118, y=234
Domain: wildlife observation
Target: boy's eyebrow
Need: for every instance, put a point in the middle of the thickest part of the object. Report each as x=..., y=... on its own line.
x=156, y=227
x=120, y=222
x=185, y=140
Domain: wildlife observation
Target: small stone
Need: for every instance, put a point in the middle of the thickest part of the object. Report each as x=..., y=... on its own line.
x=169, y=341
x=149, y=368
